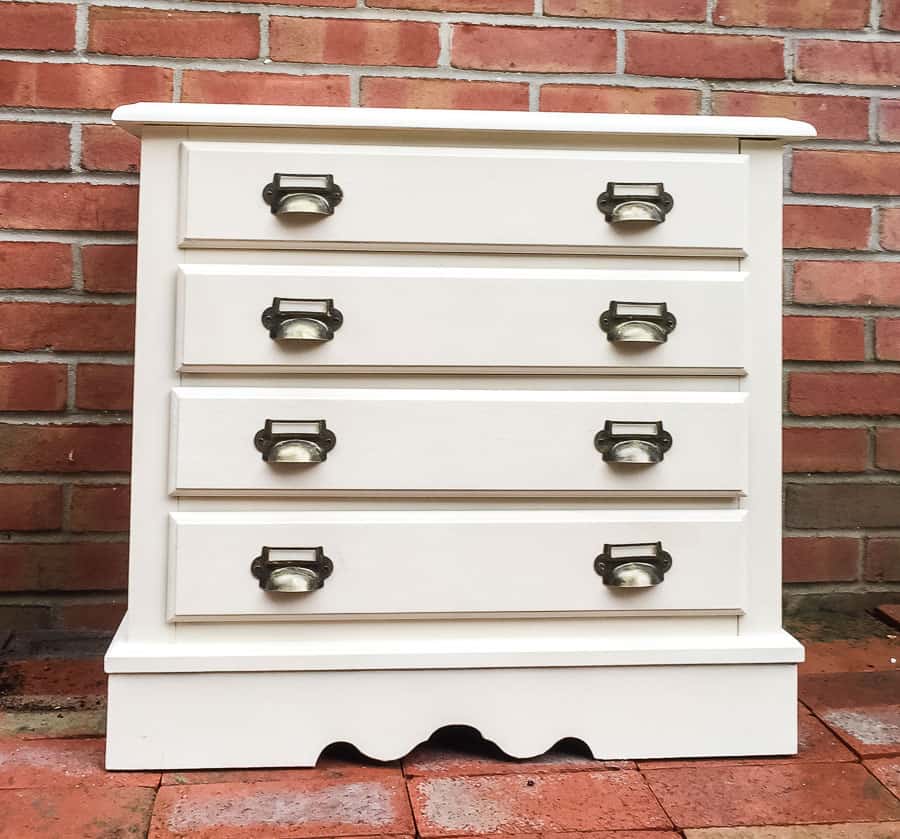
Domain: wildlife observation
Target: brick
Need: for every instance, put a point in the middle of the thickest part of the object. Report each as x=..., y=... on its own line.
x=34, y=145
x=534, y=49
x=19, y=618
x=25, y=386
x=400, y=43
x=800, y=14
x=61, y=206
x=108, y=148
x=887, y=448
x=76, y=813
x=846, y=172
x=123, y=31
x=827, y=394
x=856, y=830
x=890, y=15
x=88, y=86
x=816, y=745
x=87, y=327
x=626, y=100
x=847, y=283
x=887, y=770
x=518, y=804
x=890, y=228
x=264, y=88
x=848, y=62
x=824, y=339
x=507, y=7
x=883, y=561
x=37, y=26
x=889, y=120
x=704, y=56
x=345, y=4
x=849, y=655
x=62, y=763
x=870, y=732
x=443, y=93
x=820, y=559
x=104, y=387
x=825, y=449
x=835, y=117
x=67, y=566
x=329, y=767
x=30, y=507
x=40, y=725
x=821, y=693
x=890, y=614
x=796, y=793
x=65, y=448
x=91, y=617
x=810, y=506
x=62, y=679
x=35, y=265
x=887, y=339
x=109, y=268
x=99, y=509
x=664, y=10
x=479, y=757
x=826, y=228
x=318, y=808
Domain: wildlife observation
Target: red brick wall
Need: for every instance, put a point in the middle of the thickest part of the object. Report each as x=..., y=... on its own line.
x=68, y=190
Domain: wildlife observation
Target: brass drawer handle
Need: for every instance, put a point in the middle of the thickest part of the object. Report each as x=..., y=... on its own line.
x=637, y=323
x=296, y=319
x=291, y=570
x=633, y=566
x=294, y=441
x=304, y=195
x=629, y=203
x=632, y=442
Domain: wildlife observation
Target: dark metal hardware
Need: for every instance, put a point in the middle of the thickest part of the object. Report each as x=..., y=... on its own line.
x=291, y=570
x=637, y=565
x=294, y=441
x=302, y=194
x=637, y=323
x=296, y=319
x=633, y=442
x=634, y=202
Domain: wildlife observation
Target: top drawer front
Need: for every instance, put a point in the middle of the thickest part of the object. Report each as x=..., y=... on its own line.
x=397, y=198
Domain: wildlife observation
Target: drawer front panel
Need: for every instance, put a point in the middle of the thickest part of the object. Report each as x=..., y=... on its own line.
x=434, y=318
x=415, y=562
x=447, y=198
x=404, y=441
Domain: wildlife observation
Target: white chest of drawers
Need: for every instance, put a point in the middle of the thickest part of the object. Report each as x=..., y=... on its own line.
x=454, y=418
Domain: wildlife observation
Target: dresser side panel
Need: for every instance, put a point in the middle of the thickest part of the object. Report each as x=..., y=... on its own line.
x=764, y=384
x=154, y=377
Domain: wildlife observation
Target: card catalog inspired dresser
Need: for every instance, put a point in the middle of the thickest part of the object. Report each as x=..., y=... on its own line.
x=454, y=418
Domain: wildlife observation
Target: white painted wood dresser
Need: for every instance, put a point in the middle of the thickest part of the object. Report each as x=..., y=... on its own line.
x=454, y=418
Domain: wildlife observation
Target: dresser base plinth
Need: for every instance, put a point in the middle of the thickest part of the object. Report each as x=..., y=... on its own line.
x=256, y=719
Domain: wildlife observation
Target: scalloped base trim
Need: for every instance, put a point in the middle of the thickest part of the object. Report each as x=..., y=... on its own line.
x=234, y=720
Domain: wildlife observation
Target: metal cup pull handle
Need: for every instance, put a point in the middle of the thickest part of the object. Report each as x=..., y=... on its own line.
x=629, y=203
x=307, y=320
x=632, y=442
x=291, y=570
x=637, y=323
x=634, y=565
x=303, y=195
x=294, y=441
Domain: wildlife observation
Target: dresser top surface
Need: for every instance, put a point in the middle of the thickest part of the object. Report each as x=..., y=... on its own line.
x=135, y=117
